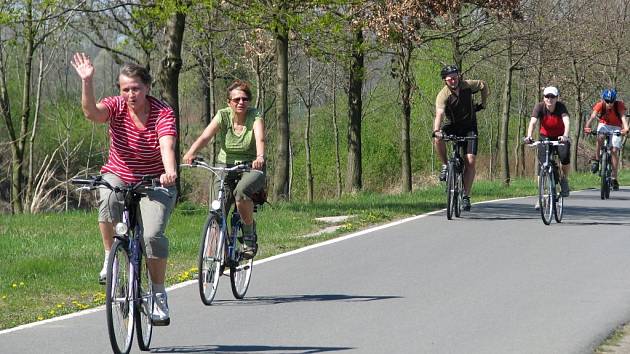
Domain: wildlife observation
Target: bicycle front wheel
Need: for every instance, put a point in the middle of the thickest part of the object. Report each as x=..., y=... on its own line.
x=451, y=196
x=545, y=195
x=558, y=208
x=210, y=257
x=241, y=271
x=605, y=173
x=118, y=298
x=144, y=307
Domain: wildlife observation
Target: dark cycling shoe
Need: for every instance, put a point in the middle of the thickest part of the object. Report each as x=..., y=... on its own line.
x=615, y=184
x=594, y=166
x=564, y=187
x=250, y=247
x=466, y=203
x=443, y=173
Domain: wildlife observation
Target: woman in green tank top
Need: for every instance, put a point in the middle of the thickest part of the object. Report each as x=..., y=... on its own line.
x=240, y=134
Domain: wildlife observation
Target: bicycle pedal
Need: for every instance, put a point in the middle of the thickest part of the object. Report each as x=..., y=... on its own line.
x=165, y=322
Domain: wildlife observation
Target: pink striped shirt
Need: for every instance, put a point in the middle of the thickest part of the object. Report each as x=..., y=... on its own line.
x=134, y=151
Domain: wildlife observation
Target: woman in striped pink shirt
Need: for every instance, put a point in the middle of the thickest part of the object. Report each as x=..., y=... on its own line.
x=142, y=135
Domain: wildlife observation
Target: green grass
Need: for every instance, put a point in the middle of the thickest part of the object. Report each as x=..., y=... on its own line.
x=50, y=262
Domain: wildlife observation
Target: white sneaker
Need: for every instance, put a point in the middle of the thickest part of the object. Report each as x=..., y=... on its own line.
x=537, y=205
x=102, y=276
x=160, y=315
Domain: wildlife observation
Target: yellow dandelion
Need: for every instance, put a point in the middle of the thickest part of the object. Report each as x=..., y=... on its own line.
x=14, y=285
x=59, y=306
x=39, y=318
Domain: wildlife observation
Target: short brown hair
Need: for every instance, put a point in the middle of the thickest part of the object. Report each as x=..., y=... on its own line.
x=137, y=71
x=239, y=85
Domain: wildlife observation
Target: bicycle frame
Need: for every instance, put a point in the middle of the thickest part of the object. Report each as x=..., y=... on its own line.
x=605, y=158
x=455, y=173
x=551, y=202
x=221, y=248
x=219, y=206
x=127, y=237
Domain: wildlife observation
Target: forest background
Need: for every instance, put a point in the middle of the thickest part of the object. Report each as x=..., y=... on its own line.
x=347, y=87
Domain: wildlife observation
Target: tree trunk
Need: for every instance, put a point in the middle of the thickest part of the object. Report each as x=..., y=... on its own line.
x=31, y=141
x=522, y=119
x=281, y=166
x=170, y=67
x=405, y=85
x=355, y=108
x=309, y=163
x=307, y=134
x=578, y=122
x=505, y=119
x=18, y=145
x=336, y=130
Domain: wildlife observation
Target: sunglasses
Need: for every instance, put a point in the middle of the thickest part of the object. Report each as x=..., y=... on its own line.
x=239, y=99
x=609, y=101
x=550, y=96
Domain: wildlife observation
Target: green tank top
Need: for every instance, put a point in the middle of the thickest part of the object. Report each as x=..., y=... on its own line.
x=235, y=147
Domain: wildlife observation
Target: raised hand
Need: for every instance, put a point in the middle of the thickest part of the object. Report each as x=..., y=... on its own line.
x=83, y=65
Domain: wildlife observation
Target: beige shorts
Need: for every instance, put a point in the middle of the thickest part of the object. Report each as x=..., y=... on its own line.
x=606, y=128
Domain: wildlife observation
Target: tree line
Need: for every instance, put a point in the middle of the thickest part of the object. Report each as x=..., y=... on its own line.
x=299, y=56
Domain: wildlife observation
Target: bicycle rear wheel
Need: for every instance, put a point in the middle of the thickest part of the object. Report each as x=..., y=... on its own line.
x=118, y=298
x=144, y=307
x=545, y=195
x=210, y=257
x=241, y=271
x=605, y=173
x=451, y=197
x=459, y=193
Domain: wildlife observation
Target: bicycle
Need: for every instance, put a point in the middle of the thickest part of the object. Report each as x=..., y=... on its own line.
x=221, y=246
x=550, y=198
x=605, y=171
x=455, y=175
x=128, y=291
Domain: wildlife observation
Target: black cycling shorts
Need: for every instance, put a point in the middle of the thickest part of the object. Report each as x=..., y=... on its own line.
x=470, y=146
x=563, y=151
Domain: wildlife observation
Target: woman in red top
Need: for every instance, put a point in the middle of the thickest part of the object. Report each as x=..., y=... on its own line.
x=611, y=114
x=142, y=134
x=554, y=124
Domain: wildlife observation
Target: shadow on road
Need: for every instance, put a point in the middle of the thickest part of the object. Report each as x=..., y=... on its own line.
x=244, y=349
x=274, y=300
x=622, y=194
x=502, y=211
x=573, y=214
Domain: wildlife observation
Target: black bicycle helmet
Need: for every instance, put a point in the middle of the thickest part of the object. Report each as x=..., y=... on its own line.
x=449, y=69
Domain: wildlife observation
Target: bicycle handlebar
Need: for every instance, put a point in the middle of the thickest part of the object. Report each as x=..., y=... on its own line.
x=616, y=132
x=95, y=182
x=546, y=142
x=198, y=162
x=458, y=138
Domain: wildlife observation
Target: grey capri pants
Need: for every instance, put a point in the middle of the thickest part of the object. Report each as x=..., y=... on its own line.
x=243, y=185
x=155, y=209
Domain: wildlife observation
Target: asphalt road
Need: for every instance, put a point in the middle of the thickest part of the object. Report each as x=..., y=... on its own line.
x=495, y=281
